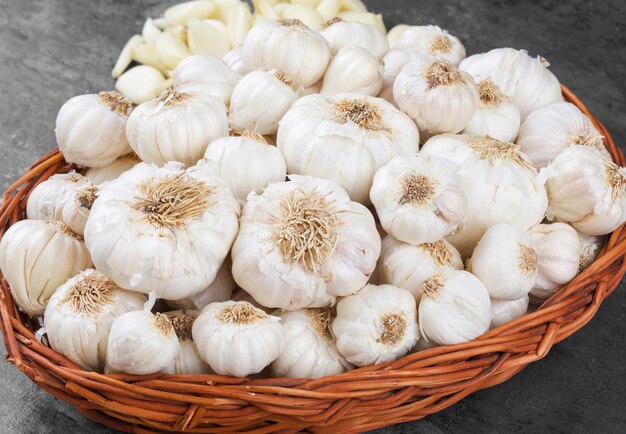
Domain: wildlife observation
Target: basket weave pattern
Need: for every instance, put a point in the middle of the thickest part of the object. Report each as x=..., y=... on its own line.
x=372, y=397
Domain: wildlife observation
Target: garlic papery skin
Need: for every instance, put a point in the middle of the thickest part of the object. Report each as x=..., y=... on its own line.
x=310, y=349
x=549, y=130
x=188, y=360
x=499, y=182
x=259, y=102
x=91, y=129
x=100, y=175
x=246, y=163
x=436, y=95
x=586, y=191
x=237, y=339
x=558, y=257
x=77, y=208
x=221, y=289
x=526, y=80
x=407, y=266
x=504, y=311
x=455, y=308
x=289, y=46
x=418, y=198
x=345, y=138
x=80, y=313
x=46, y=200
x=166, y=229
x=344, y=34
x=36, y=257
x=590, y=247
x=177, y=126
x=206, y=75
x=377, y=324
x=354, y=70
x=234, y=60
x=303, y=243
x=141, y=343
x=505, y=261
x=496, y=116
x=431, y=41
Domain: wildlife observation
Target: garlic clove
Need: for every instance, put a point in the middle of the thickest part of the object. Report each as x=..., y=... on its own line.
x=147, y=55
x=188, y=360
x=76, y=209
x=396, y=32
x=180, y=13
x=126, y=55
x=238, y=24
x=354, y=70
x=206, y=39
x=328, y=9
x=265, y=9
x=150, y=31
x=234, y=61
x=223, y=7
x=170, y=49
x=100, y=175
x=219, y=25
x=353, y=5
x=590, y=247
x=375, y=20
x=141, y=83
x=307, y=14
x=504, y=311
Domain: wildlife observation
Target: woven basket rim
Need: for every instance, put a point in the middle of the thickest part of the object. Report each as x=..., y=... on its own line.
x=367, y=398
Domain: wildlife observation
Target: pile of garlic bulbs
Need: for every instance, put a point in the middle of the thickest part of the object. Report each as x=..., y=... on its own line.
x=306, y=194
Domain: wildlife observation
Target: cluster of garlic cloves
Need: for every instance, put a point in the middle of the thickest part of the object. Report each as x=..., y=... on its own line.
x=431, y=42
x=47, y=200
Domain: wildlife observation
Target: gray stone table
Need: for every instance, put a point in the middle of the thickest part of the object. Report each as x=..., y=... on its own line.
x=51, y=50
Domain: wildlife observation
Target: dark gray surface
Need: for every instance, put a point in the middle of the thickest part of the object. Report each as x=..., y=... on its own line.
x=51, y=50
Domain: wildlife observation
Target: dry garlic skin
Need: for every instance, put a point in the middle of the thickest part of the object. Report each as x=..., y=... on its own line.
x=342, y=34
x=221, y=289
x=188, y=360
x=36, y=257
x=163, y=229
x=91, y=129
x=431, y=41
x=590, y=246
x=237, y=339
x=504, y=311
x=99, y=175
x=345, y=138
x=206, y=75
x=80, y=313
x=418, y=198
x=76, y=209
x=377, y=324
x=46, y=201
x=355, y=70
x=303, y=243
x=177, y=126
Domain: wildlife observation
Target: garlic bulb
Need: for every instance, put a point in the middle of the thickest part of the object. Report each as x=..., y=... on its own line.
x=91, y=129
x=436, y=95
x=587, y=191
x=505, y=261
x=36, y=257
x=77, y=207
x=289, y=46
x=455, y=307
x=343, y=34
x=431, y=41
x=80, y=313
x=234, y=60
x=303, y=243
x=418, y=198
x=46, y=201
x=346, y=138
x=354, y=70
x=235, y=338
x=590, y=246
x=310, y=350
x=500, y=184
x=188, y=360
x=206, y=75
x=100, y=175
x=407, y=266
x=393, y=62
x=163, y=229
x=558, y=257
x=377, y=324
x=504, y=311
x=525, y=79
x=221, y=289
x=549, y=130
x=259, y=102
x=177, y=126
x=496, y=116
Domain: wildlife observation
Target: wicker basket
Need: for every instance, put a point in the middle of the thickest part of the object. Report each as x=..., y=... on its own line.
x=367, y=398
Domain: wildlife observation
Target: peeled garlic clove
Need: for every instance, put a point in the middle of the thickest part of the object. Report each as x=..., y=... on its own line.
x=206, y=39
x=188, y=360
x=126, y=55
x=433, y=42
x=375, y=20
x=170, y=49
x=238, y=24
x=141, y=83
x=343, y=34
x=219, y=25
x=354, y=70
x=36, y=257
x=237, y=339
x=150, y=31
x=396, y=32
x=47, y=200
x=328, y=9
x=180, y=13
x=147, y=55
x=353, y=5
x=305, y=13
x=234, y=61
x=312, y=3
x=100, y=175
x=221, y=289
x=266, y=10
x=590, y=246
x=504, y=311
x=377, y=324
x=223, y=7
x=77, y=207
x=206, y=75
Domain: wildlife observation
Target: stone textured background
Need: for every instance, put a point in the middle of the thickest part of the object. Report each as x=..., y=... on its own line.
x=51, y=50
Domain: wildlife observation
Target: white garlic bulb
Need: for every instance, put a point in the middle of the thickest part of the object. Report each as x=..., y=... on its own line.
x=455, y=307
x=235, y=338
x=558, y=257
x=590, y=246
x=504, y=311
x=188, y=360
x=431, y=41
x=505, y=261
x=99, y=175
x=36, y=257
x=499, y=182
x=342, y=34
x=418, y=198
x=525, y=79
x=77, y=207
x=587, y=191
x=289, y=46
x=79, y=316
x=310, y=349
x=46, y=201
x=346, y=138
x=259, y=102
x=436, y=95
x=234, y=60
x=177, y=126
x=163, y=229
x=206, y=75
x=355, y=70
x=303, y=243
x=377, y=324
x=496, y=116
x=407, y=266
x=550, y=129
x=221, y=289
